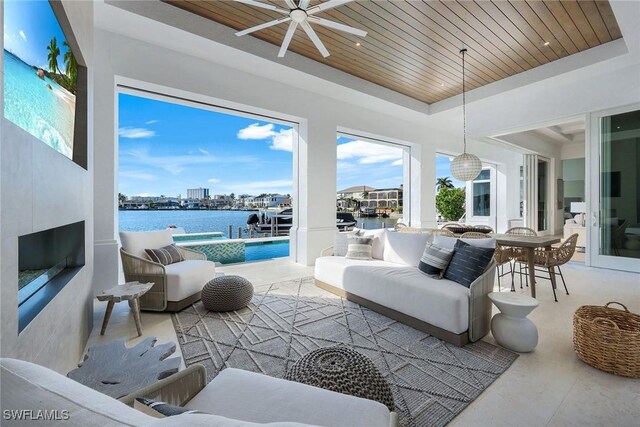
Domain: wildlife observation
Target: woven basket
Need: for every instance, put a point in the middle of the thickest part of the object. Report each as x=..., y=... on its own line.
x=608, y=339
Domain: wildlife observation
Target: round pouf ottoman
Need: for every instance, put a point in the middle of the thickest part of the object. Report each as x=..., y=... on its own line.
x=227, y=293
x=342, y=370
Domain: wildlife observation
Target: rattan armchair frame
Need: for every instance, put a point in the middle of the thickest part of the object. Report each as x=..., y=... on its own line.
x=144, y=270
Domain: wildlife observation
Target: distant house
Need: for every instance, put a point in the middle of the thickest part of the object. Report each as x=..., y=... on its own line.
x=346, y=196
x=269, y=200
x=383, y=198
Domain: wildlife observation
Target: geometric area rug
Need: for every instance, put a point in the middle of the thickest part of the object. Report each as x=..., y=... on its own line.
x=432, y=381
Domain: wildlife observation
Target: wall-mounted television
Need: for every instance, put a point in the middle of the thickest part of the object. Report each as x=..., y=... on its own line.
x=40, y=73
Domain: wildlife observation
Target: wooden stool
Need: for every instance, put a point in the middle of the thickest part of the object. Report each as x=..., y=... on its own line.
x=131, y=292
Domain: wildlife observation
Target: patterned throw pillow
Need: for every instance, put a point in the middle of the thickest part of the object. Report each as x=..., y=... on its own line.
x=161, y=409
x=360, y=247
x=468, y=263
x=166, y=255
x=434, y=260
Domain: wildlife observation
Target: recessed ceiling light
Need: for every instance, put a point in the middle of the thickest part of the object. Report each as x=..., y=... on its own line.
x=547, y=43
x=358, y=44
x=442, y=84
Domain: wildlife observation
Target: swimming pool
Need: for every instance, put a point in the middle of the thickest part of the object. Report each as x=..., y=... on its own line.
x=217, y=248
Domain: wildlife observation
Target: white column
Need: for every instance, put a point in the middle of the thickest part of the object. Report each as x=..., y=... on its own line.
x=423, y=193
x=315, y=194
x=530, y=162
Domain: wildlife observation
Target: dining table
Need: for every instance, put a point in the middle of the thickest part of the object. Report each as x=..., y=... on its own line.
x=530, y=244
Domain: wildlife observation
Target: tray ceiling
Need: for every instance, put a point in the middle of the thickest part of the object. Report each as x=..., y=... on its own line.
x=412, y=47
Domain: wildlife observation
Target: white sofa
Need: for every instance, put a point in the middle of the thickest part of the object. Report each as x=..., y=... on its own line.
x=176, y=285
x=233, y=398
x=392, y=285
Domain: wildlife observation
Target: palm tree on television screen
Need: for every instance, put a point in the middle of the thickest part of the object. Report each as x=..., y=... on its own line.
x=52, y=57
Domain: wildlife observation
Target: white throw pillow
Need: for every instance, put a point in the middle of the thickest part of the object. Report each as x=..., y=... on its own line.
x=450, y=242
x=340, y=243
x=405, y=248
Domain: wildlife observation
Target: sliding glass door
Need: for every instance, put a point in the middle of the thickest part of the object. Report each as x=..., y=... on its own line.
x=614, y=219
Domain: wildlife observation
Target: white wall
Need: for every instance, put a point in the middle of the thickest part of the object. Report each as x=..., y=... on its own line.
x=42, y=189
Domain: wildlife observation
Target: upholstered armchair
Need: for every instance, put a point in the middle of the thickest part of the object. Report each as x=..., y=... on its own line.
x=176, y=285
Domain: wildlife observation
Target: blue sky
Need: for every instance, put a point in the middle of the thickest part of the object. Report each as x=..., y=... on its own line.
x=443, y=168
x=29, y=25
x=366, y=163
x=165, y=148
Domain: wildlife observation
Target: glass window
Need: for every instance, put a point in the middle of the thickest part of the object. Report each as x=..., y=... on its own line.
x=482, y=194
x=521, y=191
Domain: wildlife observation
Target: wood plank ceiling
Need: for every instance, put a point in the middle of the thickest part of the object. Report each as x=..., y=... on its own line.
x=412, y=47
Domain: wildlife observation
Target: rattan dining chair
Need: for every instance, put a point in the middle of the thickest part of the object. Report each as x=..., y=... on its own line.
x=554, y=258
x=399, y=225
x=519, y=255
x=441, y=232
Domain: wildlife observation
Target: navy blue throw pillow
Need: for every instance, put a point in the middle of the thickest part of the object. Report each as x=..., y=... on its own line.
x=468, y=263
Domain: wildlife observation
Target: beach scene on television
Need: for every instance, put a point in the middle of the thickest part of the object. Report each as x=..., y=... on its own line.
x=40, y=74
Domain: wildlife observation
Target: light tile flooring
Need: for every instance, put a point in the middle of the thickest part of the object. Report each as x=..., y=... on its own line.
x=548, y=387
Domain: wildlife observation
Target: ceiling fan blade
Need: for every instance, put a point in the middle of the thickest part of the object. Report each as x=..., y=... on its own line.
x=314, y=38
x=336, y=25
x=262, y=5
x=303, y=4
x=287, y=39
x=262, y=26
x=291, y=4
x=326, y=5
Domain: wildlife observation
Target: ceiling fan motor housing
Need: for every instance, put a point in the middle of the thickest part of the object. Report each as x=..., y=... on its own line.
x=298, y=15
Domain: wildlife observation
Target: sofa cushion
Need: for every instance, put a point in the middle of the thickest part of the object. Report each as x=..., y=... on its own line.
x=207, y=420
x=187, y=278
x=434, y=260
x=405, y=248
x=135, y=242
x=166, y=255
x=406, y=289
x=468, y=263
x=450, y=242
x=253, y=397
x=29, y=386
x=360, y=247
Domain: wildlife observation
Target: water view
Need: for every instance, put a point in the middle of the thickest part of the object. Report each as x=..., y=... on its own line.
x=201, y=221
x=38, y=95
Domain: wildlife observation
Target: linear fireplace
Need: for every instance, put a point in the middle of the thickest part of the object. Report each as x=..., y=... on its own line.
x=47, y=261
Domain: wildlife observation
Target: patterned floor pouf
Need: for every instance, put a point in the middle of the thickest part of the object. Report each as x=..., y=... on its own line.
x=227, y=293
x=342, y=370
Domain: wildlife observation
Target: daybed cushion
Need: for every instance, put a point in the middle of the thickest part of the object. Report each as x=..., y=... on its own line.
x=406, y=289
x=405, y=248
x=253, y=397
x=202, y=420
x=29, y=386
x=187, y=277
x=135, y=242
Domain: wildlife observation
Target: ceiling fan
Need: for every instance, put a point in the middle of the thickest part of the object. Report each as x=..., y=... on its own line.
x=301, y=14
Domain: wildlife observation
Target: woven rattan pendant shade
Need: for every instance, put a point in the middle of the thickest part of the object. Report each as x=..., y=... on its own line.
x=465, y=167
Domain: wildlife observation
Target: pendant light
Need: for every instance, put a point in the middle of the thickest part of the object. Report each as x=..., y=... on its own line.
x=465, y=167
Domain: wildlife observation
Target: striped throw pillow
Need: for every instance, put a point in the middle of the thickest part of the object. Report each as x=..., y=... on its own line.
x=165, y=255
x=160, y=409
x=434, y=260
x=360, y=247
x=468, y=263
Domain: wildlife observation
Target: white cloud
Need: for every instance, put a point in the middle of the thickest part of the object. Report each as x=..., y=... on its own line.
x=136, y=133
x=255, y=131
x=283, y=186
x=369, y=153
x=138, y=175
x=145, y=195
x=283, y=140
x=214, y=180
x=150, y=122
x=176, y=164
x=203, y=151
x=23, y=36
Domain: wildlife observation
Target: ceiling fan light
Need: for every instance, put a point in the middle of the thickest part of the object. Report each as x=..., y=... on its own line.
x=466, y=167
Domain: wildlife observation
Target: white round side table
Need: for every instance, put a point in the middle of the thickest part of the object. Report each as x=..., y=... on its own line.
x=510, y=327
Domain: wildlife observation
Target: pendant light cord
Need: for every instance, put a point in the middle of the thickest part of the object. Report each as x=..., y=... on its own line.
x=464, y=105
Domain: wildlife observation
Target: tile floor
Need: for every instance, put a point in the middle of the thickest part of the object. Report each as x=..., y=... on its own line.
x=548, y=387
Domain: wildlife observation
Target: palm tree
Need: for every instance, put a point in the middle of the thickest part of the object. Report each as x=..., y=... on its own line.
x=52, y=57
x=444, y=182
x=71, y=66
